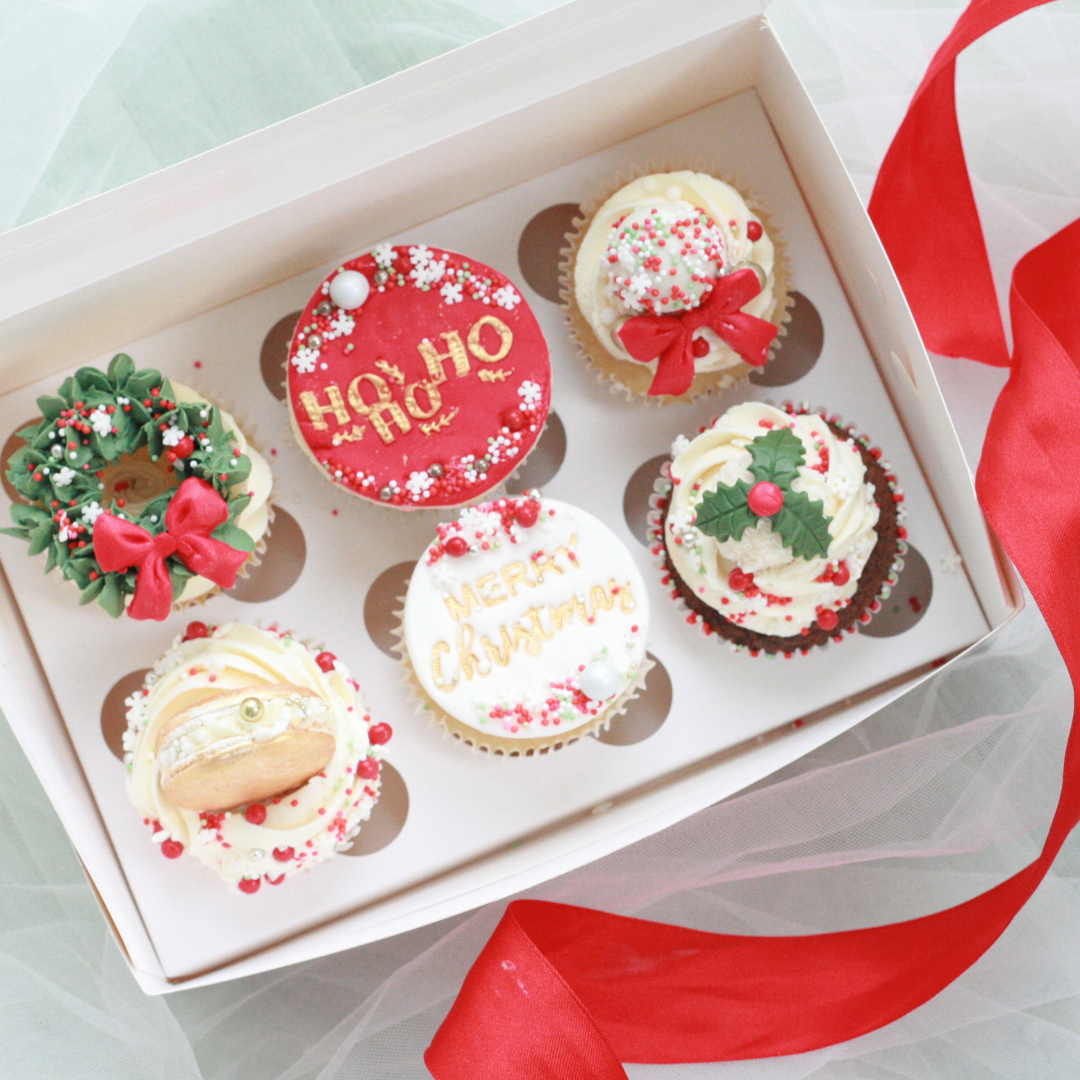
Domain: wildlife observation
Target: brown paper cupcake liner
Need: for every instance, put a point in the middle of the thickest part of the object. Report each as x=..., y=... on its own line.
x=495, y=745
x=886, y=557
x=633, y=379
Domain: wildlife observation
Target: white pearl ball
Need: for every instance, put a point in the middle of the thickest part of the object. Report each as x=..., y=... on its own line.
x=349, y=289
x=600, y=680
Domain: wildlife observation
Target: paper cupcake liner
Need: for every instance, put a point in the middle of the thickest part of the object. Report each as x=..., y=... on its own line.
x=658, y=502
x=496, y=745
x=633, y=379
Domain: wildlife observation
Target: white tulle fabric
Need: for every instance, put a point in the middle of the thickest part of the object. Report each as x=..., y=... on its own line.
x=927, y=803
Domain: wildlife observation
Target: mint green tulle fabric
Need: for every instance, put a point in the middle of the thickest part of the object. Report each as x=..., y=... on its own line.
x=928, y=802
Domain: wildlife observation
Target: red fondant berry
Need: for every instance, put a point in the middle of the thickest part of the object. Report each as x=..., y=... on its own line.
x=367, y=768
x=527, y=513
x=765, y=499
x=753, y=231
x=827, y=620
x=456, y=546
x=738, y=580
x=255, y=814
x=380, y=733
x=172, y=849
x=196, y=630
x=185, y=447
x=284, y=854
x=841, y=575
x=250, y=885
x=325, y=660
x=274, y=880
x=514, y=419
x=700, y=347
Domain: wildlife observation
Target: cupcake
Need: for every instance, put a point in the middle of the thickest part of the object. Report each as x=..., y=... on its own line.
x=779, y=528
x=674, y=286
x=253, y=752
x=141, y=492
x=417, y=378
x=524, y=625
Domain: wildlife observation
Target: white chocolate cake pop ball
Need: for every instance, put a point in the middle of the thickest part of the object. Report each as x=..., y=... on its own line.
x=349, y=289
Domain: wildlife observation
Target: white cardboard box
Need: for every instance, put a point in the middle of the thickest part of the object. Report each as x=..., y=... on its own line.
x=198, y=261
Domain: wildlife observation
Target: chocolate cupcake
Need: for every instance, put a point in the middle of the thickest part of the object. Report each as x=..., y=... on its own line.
x=778, y=529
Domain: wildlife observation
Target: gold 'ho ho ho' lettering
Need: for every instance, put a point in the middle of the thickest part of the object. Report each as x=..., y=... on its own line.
x=384, y=413
x=530, y=635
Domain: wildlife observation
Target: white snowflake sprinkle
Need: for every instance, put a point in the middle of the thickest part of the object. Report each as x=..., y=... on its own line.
x=91, y=512
x=100, y=421
x=305, y=360
x=506, y=297
x=451, y=292
x=384, y=255
x=172, y=435
x=63, y=476
x=342, y=324
x=680, y=445
x=531, y=393
x=420, y=255
x=417, y=485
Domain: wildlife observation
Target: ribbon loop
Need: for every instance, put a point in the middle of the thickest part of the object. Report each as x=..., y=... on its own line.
x=669, y=339
x=193, y=513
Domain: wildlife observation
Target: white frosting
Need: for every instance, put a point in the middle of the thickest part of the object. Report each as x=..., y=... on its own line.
x=719, y=456
x=254, y=519
x=606, y=304
x=499, y=637
x=315, y=820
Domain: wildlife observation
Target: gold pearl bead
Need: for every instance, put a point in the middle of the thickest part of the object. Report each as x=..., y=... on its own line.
x=251, y=708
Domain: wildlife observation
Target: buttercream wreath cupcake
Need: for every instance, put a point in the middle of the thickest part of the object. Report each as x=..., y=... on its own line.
x=141, y=492
x=674, y=287
x=778, y=528
x=253, y=752
x=524, y=625
x=417, y=378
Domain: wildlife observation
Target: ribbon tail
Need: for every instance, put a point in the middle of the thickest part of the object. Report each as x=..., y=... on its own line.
x=665, y=339
x=675, y=368
x=748, y=335
x=153, y=590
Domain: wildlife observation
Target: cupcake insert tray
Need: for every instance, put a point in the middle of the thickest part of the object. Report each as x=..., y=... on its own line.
x=461, y=827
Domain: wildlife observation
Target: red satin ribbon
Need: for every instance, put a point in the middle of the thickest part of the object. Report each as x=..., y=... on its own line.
x=669, y=339
x=194, y=512
x=566, y=993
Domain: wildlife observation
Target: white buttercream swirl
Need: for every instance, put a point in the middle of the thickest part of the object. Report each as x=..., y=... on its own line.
x=719, y=456
x=602, y=303
x=314, y=821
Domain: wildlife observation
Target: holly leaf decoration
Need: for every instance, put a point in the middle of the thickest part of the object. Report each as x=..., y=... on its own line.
x=802, y=526
x=777, y=457
x=725, y=512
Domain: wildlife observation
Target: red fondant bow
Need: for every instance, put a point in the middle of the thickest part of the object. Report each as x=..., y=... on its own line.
x=195, y=511
x=669, y=339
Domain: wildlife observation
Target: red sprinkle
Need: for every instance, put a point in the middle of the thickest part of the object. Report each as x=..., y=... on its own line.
x=527, y=513
x=255, y=814
x=274, y=880
x=196, y=630
x=739, y=581
x=326, y=660
x=172, y=849
x=841, y=575
x=457, y=546
x=753, y=231
x=367, y=768
x=284, y=854
x=250, y=885
x=380, y=733
x=514, y=419
x=827, y=620
x=700, y=347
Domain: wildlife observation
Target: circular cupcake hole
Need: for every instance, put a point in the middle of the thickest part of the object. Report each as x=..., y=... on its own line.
x=13, y=443
x=114, y=711
x=275, y=353
x=799, y=348
x=538, y=249
x=544, y=461
x=635, y=501
x=387, y=817
x=282, y=562
x=382, y=600
x=644, y=715
x=907, y=601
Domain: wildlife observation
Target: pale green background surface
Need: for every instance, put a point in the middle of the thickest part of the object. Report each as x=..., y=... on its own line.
x=94, y=94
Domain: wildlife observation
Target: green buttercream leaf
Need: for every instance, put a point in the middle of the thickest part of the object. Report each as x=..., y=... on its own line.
x=92, y=590
x=28, y=516
x=725, y=513
x=50, y=408
x=111, y=598
x=20, y=534
x=90, y=379
x=121, y=368
x=41, y=537
x=233, y=536
x=802, y=526
x=777, y=457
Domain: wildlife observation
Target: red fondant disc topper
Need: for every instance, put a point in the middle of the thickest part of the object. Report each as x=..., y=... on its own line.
x=418, y=377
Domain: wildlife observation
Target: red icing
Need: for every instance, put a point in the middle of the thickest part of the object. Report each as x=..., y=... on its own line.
x=384, y=364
